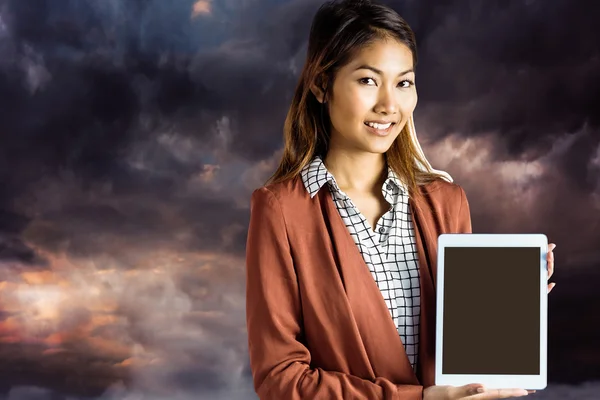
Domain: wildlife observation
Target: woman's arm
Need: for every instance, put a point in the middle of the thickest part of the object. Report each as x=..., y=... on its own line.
x=279, y=361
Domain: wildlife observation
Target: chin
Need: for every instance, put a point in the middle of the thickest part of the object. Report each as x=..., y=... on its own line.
x=383, y=151
x=377, y=149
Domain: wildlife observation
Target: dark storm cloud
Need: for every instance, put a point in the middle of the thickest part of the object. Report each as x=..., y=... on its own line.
x=94, y=70
x=573, y=333
x=65, y=372
x=12, y=247
x=88, y=88
x=247, y=84
x=78, y=75
x=527, y=69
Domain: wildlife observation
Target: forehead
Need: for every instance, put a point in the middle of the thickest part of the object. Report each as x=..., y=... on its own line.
x=387, y=55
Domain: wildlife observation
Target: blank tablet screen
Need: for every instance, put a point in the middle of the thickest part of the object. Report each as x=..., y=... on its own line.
x=491, y=310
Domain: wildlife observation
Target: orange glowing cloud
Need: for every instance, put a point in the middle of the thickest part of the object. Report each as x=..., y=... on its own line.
x=39, y=277
x=98, y=308
x=201, y=7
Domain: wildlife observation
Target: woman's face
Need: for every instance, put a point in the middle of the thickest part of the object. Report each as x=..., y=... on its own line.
x=376, y=86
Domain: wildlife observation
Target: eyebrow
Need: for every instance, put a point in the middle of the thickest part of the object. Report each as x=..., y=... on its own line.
x=379, y=72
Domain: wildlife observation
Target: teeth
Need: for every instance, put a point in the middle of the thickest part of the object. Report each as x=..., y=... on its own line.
x=379, y=126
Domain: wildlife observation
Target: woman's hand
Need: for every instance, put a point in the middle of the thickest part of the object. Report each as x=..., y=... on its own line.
x=550, y=260
x=470, y=392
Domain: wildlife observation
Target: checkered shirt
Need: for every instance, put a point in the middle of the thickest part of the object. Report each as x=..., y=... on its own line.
x=389, y=251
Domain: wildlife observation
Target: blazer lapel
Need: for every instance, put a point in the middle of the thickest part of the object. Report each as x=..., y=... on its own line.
x=375, y=324
x=426, y=240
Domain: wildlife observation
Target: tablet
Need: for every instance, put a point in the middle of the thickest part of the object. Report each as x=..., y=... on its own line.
x=492, y=310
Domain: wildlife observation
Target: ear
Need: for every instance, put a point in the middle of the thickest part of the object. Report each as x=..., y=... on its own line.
x=318, y=92
x=317, y=88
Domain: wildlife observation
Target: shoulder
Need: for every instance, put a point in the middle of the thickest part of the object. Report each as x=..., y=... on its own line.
x=289, y=193
x=443, y=191
x=448, y=202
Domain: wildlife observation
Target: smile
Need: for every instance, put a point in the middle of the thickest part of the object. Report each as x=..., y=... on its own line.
x=379, y=129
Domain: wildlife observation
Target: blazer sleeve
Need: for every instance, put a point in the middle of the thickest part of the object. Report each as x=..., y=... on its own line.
x=279, y=361
x=464, y=214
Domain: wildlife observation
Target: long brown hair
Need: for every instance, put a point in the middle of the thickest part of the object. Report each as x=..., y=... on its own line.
x=338, y=30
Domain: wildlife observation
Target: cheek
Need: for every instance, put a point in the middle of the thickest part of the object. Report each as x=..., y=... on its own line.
x=347, y=109
x=408, y=102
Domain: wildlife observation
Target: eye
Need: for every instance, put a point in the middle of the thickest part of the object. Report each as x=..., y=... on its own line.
x=406, y=83
x=364, y=81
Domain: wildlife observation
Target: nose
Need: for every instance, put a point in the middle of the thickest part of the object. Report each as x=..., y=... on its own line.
x=387, y=103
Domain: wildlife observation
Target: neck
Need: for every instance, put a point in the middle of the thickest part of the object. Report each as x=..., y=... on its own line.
x=364, y=172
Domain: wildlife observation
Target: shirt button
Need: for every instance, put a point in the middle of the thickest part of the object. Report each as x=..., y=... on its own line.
x=382, y=230
x=388, y=187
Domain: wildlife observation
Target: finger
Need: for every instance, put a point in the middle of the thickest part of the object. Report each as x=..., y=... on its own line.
x=550, y=261
x=551, y=286
x=467, y=390
x=490, y=394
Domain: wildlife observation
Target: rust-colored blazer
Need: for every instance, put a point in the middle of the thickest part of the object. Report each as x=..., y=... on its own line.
x=318, y=327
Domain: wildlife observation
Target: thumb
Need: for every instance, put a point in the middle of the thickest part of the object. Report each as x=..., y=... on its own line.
x=468, y=390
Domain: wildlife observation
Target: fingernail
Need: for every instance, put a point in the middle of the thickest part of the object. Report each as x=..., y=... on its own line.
x=480, y=390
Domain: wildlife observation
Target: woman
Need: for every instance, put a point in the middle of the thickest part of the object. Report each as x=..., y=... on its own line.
x=341, y=251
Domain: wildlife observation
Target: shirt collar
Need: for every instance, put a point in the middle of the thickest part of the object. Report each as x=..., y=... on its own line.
x=315, y=175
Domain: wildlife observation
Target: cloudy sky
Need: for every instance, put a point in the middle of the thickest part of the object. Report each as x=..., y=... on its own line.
x=132, y=133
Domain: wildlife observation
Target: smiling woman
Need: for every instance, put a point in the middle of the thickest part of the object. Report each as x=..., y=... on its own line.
x=388, y=82
x=371, y=61
x=341, y=249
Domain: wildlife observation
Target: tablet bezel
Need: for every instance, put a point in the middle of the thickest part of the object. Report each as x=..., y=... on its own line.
x=530, y=382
